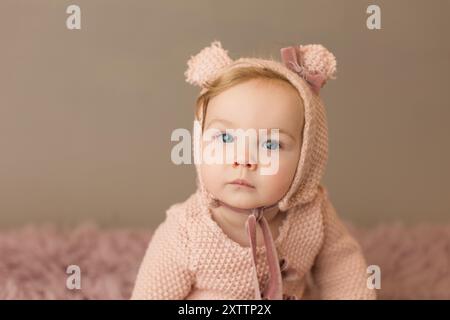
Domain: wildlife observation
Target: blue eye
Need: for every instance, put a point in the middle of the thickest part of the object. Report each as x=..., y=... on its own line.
x=271, y=144
x=226, y=137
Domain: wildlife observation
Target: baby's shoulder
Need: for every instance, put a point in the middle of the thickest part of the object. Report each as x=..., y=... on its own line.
x=185, y=211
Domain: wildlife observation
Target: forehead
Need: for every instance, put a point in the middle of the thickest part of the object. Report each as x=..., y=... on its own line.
x=258, y=104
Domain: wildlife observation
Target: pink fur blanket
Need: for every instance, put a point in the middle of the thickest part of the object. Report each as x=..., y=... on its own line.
x=414, y=260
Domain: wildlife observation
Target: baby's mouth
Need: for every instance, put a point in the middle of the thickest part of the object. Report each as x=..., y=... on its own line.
x=242, y=182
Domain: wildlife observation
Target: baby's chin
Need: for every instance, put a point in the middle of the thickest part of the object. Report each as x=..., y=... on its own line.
x=243, y=200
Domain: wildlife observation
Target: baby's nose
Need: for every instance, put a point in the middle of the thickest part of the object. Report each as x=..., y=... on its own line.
x=250, y=166
x=246, y=158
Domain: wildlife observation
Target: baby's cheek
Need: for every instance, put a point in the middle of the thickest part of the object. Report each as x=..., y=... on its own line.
x=212, y=176
x=278, y=183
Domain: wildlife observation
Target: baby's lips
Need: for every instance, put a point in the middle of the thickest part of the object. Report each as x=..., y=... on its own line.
x=242, y=182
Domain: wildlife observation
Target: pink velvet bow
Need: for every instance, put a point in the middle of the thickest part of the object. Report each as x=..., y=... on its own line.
x=293, y=59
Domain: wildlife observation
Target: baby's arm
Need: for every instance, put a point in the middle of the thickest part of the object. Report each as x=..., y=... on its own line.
x=340, y=270
x=164, y=272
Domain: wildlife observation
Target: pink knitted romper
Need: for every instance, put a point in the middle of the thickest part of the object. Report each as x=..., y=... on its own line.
x=190, y=257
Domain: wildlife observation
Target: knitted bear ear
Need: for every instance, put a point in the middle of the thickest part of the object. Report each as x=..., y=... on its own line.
x=204, y=66
x=318, y=60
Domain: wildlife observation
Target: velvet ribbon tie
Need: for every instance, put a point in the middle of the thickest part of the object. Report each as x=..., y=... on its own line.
x=274, y=288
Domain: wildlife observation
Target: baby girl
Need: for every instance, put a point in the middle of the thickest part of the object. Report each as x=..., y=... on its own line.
x=245, y=234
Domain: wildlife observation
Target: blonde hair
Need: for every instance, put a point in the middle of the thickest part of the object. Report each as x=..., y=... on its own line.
x=233, y=77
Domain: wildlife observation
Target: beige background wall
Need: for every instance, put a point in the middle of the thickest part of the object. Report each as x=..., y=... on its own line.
x=86, y=116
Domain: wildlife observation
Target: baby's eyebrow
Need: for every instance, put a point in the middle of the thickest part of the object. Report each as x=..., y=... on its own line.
x=224, y=121
x=283, y=132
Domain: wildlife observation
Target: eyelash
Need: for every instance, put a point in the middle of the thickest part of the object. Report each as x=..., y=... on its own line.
x=217, y=136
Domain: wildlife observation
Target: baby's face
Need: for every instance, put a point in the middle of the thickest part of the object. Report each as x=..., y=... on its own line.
x=255, y=104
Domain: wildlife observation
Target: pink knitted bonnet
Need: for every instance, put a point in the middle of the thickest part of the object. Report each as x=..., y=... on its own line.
x=307, y=67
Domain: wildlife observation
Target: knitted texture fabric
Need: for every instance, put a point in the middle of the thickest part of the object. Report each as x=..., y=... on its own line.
x=190, y=257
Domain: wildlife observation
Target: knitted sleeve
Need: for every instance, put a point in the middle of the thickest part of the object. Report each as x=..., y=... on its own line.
x=340, y=270
x=164, y=273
